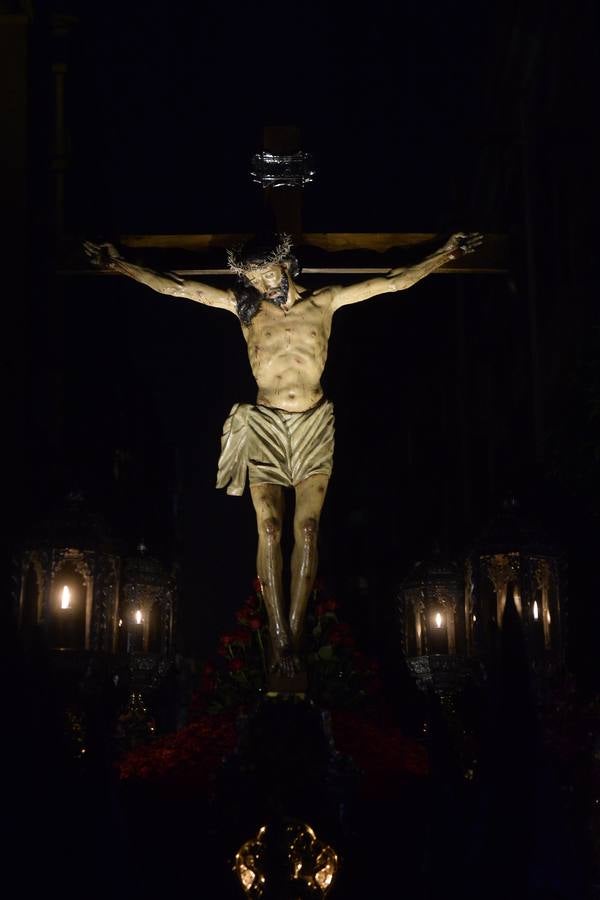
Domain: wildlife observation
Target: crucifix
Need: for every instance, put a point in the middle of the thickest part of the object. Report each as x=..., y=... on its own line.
x=286, y=438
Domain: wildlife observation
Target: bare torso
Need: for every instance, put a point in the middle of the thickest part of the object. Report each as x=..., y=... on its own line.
x=287, y=350
x=287, y=341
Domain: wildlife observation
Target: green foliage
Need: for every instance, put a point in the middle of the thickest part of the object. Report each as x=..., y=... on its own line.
x=339, y=675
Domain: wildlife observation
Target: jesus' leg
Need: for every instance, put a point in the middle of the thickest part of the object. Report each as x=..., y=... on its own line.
x=268, y=504
x=310, y=495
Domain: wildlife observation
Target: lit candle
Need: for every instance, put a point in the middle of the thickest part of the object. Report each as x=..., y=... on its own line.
x=536, y=610
x=438, y=620
x=65, y=600
x=138, y=617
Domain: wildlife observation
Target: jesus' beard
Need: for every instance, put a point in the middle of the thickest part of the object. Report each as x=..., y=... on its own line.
x=279, y=294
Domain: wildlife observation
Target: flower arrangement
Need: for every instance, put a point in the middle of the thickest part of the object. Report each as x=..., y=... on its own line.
x=341, y=679
x=339, y=674
x=187, y=759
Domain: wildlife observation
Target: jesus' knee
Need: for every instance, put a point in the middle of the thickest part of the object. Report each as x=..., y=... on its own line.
x=269, y=530
x=307, y=531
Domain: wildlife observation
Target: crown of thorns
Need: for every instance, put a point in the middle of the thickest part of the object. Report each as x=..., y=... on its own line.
x=239, y=266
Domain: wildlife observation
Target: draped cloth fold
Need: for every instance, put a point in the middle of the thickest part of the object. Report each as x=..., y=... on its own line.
x=275, y=446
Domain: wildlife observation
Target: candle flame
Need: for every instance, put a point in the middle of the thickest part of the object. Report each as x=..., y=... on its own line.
x=138, y=617
x=536, y=610
x=65, y=600
x=438, y=620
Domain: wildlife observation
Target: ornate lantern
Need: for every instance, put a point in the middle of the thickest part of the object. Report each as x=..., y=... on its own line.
x=68, y=581
x=432, y=612
x=147, y=606
x=432, y=609
x=513, y=563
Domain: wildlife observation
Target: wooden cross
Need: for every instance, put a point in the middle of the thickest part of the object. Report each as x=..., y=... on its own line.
x=321, y=253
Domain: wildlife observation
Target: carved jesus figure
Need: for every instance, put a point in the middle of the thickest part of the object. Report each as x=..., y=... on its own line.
x=285, y=439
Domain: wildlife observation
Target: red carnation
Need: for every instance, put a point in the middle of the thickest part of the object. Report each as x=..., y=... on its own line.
x=254, y=624
x=208, y=668
x=330, y=605
x=236, y=664
x=242, y=637
x=224, y=644
x=207, y=684
x=360, y=660
x=336, y=635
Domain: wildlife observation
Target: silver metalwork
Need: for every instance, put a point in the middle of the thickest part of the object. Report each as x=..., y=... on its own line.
x=275, y=170
x=146, y=582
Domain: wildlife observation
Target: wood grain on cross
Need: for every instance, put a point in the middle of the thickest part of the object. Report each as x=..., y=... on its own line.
x=491, y=258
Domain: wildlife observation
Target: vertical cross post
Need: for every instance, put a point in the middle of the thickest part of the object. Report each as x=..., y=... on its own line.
x=283, y=195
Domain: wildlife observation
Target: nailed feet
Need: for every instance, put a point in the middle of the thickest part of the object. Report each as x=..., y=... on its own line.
x=285, y=661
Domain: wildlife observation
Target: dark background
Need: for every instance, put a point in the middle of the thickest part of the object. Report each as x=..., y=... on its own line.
x=449, y=398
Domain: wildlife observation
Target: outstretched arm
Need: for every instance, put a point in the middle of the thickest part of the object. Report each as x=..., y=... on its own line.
x=107, y=256
x=400, y=279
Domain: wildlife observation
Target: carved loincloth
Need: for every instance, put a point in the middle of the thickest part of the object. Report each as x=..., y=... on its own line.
x=275, y=446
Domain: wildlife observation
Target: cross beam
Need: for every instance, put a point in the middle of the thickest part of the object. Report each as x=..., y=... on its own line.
x=491, y=258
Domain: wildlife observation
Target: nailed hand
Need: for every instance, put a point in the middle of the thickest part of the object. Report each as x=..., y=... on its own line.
x=462, y=243
x=101, y=255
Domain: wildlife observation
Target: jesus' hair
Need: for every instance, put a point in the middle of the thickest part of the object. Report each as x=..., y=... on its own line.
x=256, y=253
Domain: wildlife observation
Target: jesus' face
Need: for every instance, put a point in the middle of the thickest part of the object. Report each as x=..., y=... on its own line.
x=271, y=282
